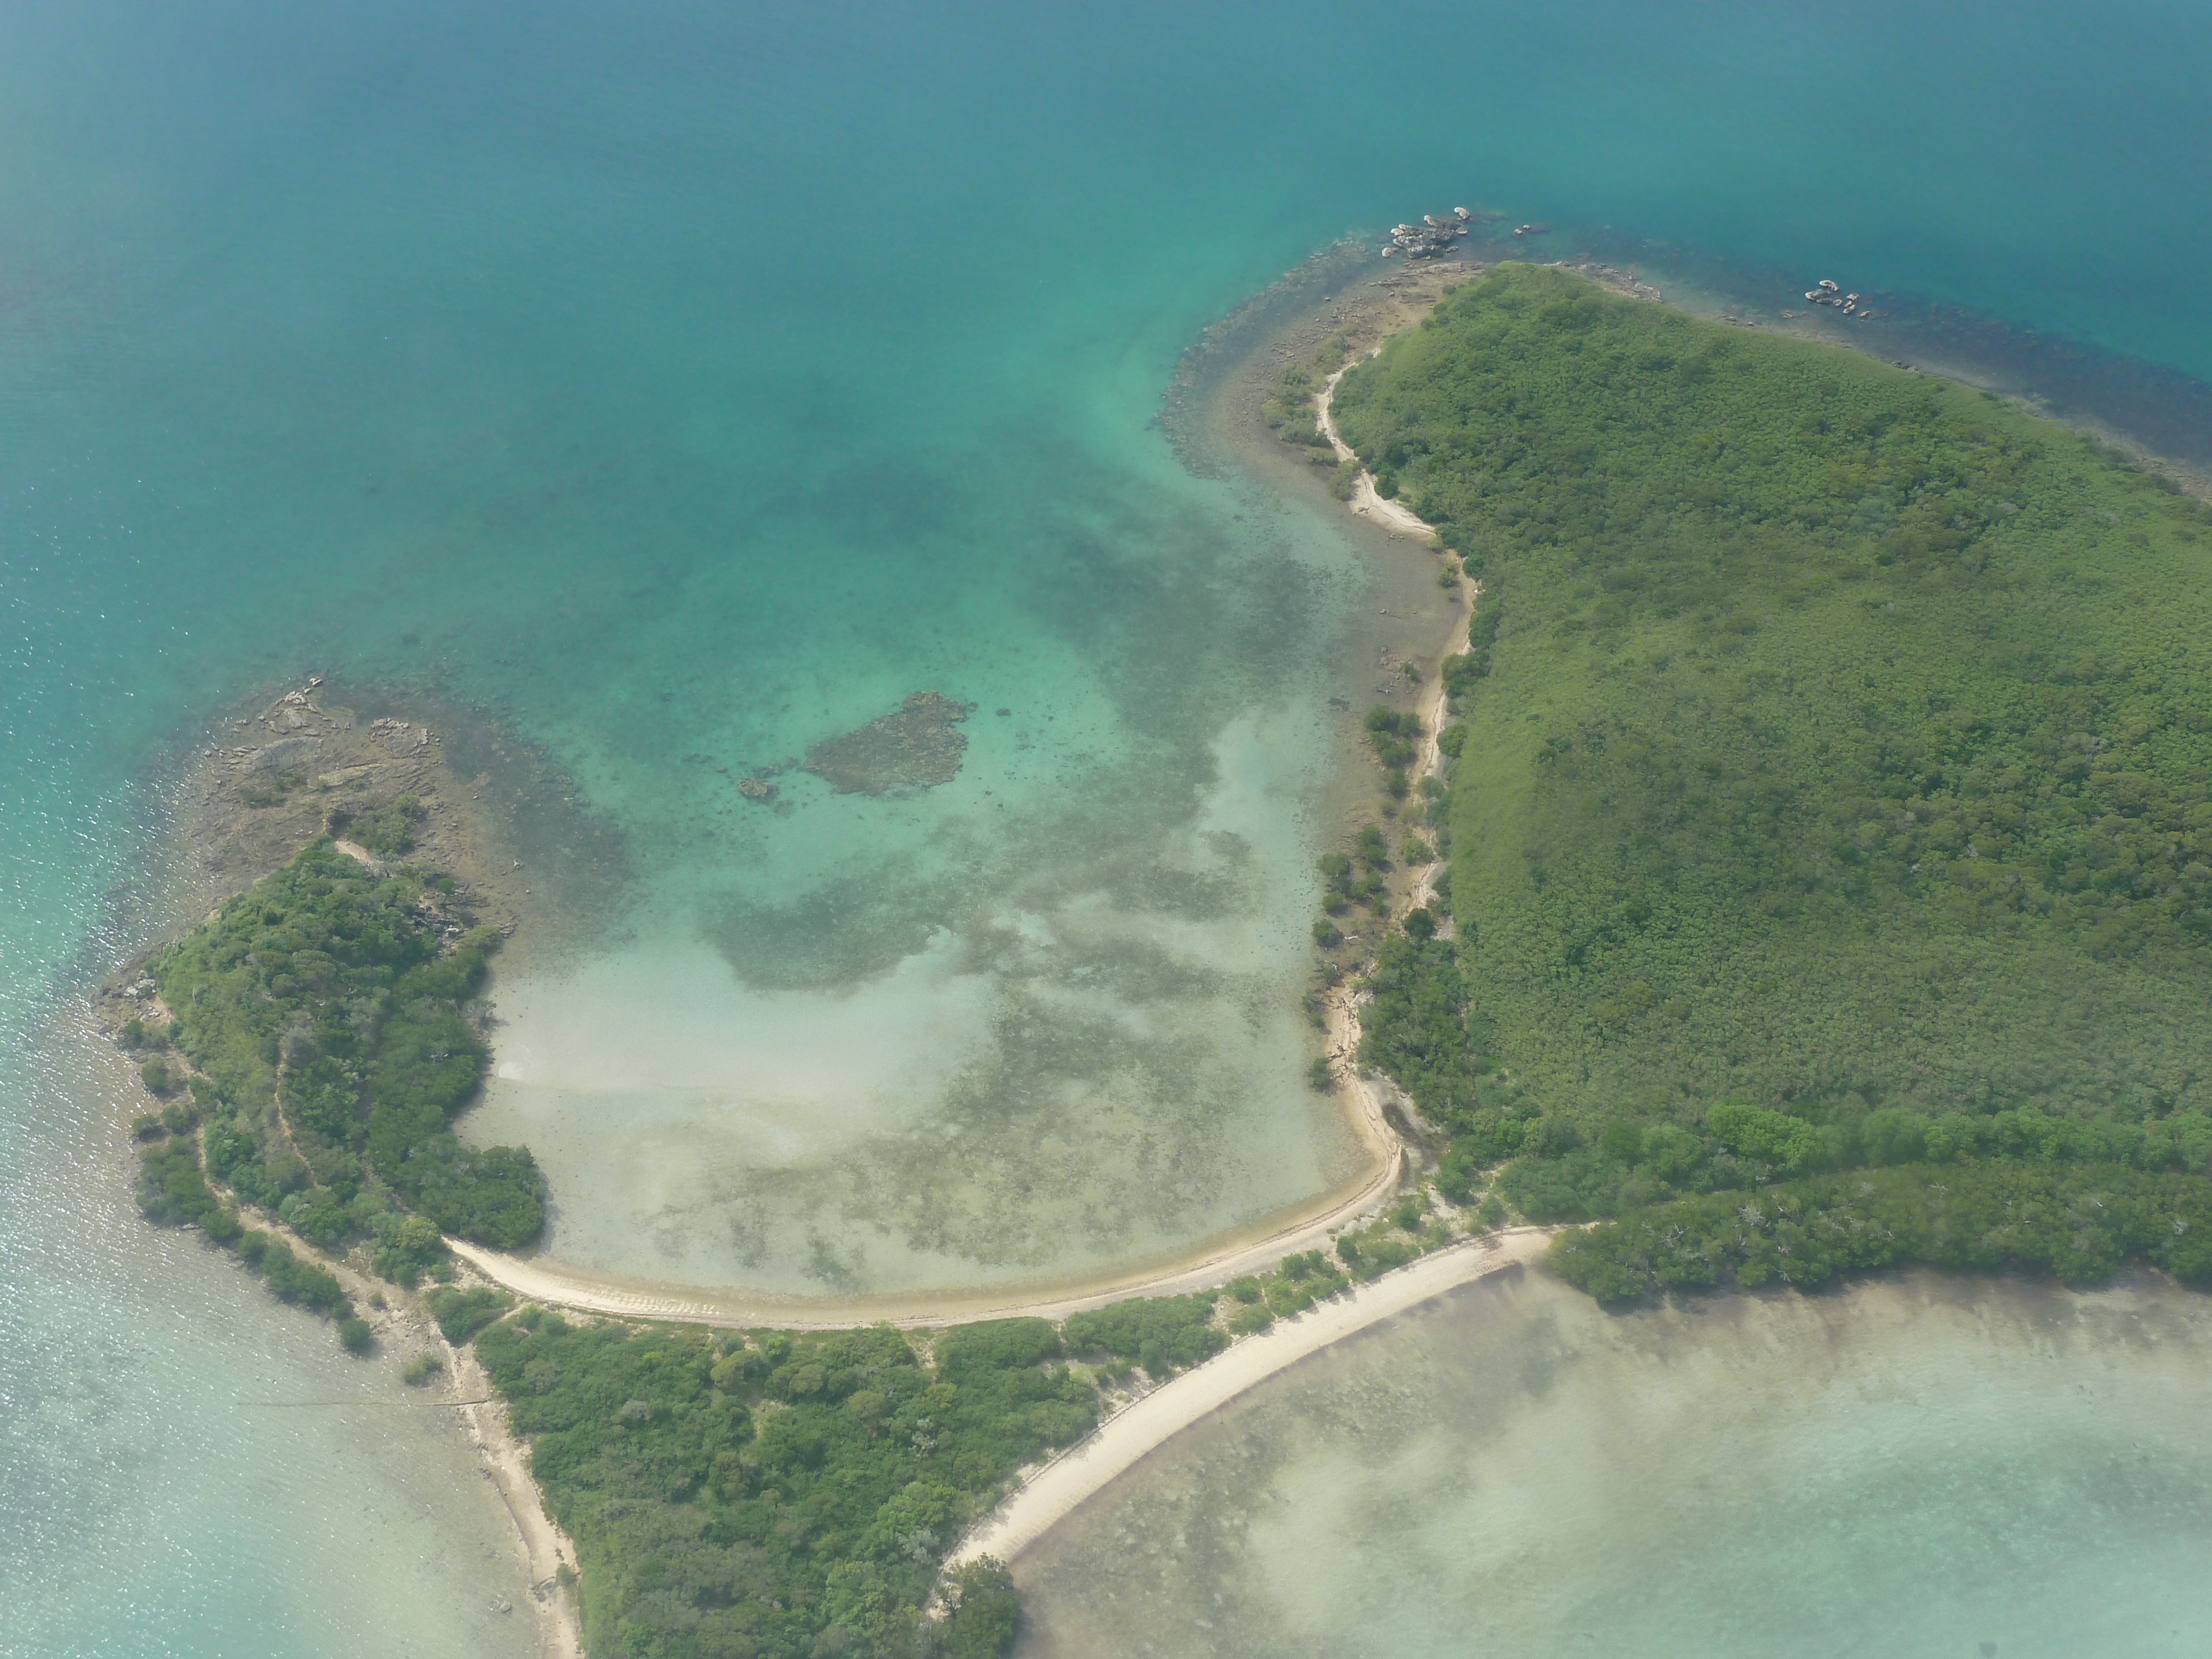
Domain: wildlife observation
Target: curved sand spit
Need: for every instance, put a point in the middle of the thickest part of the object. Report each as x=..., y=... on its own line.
x=557, y=1285
x=1052, y=1494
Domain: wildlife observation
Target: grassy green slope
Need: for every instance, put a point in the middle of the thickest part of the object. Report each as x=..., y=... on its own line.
x=1844, y=747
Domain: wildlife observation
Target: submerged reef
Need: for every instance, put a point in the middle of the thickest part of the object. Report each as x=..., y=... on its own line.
x=913, y=748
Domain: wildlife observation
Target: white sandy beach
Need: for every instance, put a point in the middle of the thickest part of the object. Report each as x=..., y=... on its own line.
x=1118, y=1444
x=1364, y=500
x=545, y=1548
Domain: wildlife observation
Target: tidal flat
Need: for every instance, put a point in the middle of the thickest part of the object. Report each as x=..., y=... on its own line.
x=1919, y=1465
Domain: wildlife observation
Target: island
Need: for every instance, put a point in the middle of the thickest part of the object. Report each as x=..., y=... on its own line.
x=1831, y=825
x=1799, y=865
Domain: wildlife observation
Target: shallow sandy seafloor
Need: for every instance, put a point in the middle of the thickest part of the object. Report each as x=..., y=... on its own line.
x=1926, y=1465
x=1055, y=1040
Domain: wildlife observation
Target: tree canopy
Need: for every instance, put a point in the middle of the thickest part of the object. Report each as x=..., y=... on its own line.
x=1834, y=783
x=324, y=1008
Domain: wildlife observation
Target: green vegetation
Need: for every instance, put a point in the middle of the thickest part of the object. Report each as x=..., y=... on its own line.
x=1393, y=734
x=461, y=1314
x=2078, y=1222
x=420, y=1369
x=784, y=1494
x=328, y=1019
x=326, y=1044
x=778, y=1494
x=1289, y=411
x=387, y=830
x=1344, y=883
x=1163, y=1334
x=1830, y=805
x=172, y=1191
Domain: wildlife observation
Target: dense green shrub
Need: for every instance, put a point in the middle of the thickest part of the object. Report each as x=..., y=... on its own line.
x=1162, y=1334
x=172, y=1192
x=2078, y=1222
x=329, y=1024
x=407, y=1246
x=1393, y=734
x=789, y=1495
x=326, y=1021
x=986, y=1612
x=995, y=1345
x=387, y=830
x=1834, y=792
x=461, y=1314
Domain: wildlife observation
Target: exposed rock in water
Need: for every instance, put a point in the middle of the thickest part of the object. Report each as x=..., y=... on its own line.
x=756, y=789
x=912, y=749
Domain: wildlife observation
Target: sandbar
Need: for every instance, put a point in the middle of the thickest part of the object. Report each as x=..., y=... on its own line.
x=1113, y=1448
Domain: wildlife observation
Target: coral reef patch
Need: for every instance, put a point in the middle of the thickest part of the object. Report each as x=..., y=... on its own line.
x=913, y=748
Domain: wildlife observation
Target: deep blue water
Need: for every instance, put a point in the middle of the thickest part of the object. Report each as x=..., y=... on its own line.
x=785, y=359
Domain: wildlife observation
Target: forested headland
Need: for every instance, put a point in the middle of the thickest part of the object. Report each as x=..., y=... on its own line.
x=1830, y=828
x=319, y=1042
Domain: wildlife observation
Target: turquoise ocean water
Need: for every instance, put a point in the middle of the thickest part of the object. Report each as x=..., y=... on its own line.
x=682, y=384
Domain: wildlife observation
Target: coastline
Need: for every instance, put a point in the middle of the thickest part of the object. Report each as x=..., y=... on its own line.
x=1057, y=1489
x=267, y=780
x=1364, y=499
x=549, y=1553
x=1137, y=1427
x=1367, y=1103
x=1045, y=1497
x=402, y=1323
x=263, y=784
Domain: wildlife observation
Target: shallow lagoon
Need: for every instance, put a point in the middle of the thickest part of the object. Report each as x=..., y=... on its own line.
x=1922, y=1466
x=193, y=1467
x=676, y=382
x=1039, y=1021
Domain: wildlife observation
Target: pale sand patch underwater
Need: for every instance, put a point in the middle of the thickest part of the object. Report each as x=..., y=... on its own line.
x=1914, y=1466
